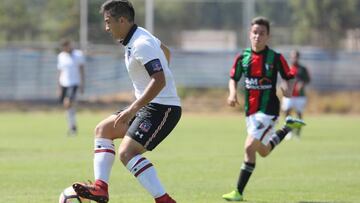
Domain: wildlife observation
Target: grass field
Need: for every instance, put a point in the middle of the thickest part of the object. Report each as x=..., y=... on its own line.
x=197, y=164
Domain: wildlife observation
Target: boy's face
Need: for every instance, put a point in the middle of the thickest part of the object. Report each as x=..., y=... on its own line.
x=259, y=36
x=114, y=26
x=67, y=47
x=294, y=57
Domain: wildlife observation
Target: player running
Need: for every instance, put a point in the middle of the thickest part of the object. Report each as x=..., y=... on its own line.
x=148, y=120
x=260, y=66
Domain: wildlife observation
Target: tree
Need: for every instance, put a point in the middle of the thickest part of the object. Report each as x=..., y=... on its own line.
x=18, y=20
x=323, y=22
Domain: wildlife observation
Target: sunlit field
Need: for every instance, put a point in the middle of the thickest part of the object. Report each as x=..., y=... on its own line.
x=197, y=163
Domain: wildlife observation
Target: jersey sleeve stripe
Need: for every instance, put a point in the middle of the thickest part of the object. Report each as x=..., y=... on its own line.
x=235, y=72
x=284, y=69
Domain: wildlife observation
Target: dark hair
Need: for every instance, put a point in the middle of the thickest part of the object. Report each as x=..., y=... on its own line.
x=119, y=8
x=297, y=53
x=65, y=42
x=261, y=21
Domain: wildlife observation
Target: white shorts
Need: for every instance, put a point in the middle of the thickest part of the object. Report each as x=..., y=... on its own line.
x=261, y=126
x=297, y=103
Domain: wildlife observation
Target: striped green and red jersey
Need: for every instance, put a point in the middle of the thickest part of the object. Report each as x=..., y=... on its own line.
x=260, y=70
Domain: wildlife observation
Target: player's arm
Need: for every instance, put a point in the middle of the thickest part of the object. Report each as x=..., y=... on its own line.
x=167, y=52
x=288, y=76
x=59, y=69
x=82, y=78
x=307, y=76
x=232, y=99
x=235, y=75
x=58, y=92
x=156, y=84
x=287, y=87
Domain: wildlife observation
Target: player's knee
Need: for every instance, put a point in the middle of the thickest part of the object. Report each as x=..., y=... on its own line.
x=99, y=129
x=250, y=149
x=263, y=153
x=125, y=155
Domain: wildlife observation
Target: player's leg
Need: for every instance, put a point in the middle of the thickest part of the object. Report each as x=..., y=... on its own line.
x=258, y=126
x=251, y=146
x=275, y=139
x=70, y=105
x=290, y=125
x=299, y=107
x=104, y=155
x=153, y=124
x=65, y=101
x=286, y=105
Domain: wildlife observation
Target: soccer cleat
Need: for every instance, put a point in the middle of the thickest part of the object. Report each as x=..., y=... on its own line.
x=72, y=131
x=294, y=123
x=164, y=199
x=233, y=196
x=91, y=192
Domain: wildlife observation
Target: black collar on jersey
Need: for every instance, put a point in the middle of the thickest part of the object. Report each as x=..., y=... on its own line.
x=129, y=35
x=260, y=52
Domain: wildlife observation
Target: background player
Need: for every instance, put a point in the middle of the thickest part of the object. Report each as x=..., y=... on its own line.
x=70, y=63
x=260, y=66
x=298, y=98
x=148, y=120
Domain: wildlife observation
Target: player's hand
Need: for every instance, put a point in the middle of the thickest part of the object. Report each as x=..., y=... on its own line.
x=124, y=116
x=232, y=101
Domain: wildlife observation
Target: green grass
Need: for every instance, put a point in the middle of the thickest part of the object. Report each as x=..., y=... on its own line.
x=197, y=164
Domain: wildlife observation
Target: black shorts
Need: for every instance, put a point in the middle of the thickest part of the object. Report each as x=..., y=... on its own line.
x=153, y=123
x=68, y=92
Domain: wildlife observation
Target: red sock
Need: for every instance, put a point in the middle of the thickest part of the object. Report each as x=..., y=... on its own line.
x=164, y=199
x=101, y=184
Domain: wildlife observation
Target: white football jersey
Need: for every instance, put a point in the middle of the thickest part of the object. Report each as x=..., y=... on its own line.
x=142, y=48
x=68, y=64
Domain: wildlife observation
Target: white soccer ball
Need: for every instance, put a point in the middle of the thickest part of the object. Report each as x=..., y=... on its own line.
x=70, y=196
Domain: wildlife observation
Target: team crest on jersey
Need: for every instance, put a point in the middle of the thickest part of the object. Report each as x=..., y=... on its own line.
x=269, y=66
x=156, y=65
x=128, y=52
x=145, y=126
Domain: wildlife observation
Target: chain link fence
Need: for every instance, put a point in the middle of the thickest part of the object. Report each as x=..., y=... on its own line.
x=30, y=73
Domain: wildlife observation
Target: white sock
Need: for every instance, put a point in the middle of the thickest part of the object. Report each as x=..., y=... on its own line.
x=104, y=155
x=71, y=117
x=145, y=172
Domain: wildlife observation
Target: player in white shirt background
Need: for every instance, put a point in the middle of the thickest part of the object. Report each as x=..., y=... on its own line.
x=148, y=120
x=70, y=65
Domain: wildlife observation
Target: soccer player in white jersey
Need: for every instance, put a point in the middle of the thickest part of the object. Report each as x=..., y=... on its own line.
x=148, y=120
x=70, y=65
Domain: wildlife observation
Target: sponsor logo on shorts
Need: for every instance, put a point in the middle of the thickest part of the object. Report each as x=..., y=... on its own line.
x=260, y=125
x=139, y=134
